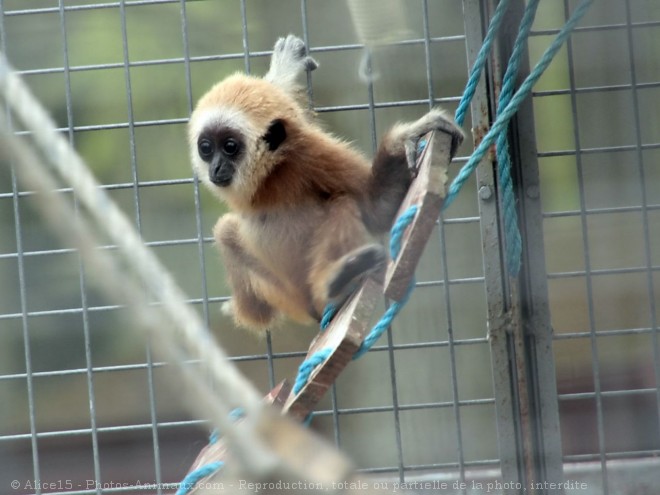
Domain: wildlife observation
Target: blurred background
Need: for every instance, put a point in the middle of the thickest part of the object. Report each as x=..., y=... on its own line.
x=83, y=398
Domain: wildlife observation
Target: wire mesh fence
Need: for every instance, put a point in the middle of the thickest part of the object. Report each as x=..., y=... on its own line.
x=604, y=295
x=88, y=408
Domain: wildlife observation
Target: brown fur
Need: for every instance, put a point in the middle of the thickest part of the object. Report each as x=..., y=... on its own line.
x=300, y=210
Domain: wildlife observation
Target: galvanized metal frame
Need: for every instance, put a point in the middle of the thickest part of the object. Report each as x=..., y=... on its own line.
x=500, y=322
x=519, y=317
x=545, y=458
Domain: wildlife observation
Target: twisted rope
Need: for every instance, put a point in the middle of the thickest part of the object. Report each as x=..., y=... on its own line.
x=328, y=314
x=396, y=235
x=197, y=475
x=384, y=323
x=512, y=239
x=523, y=91
x=308, y=365
x=480, y=62
x=194, y=477
x=509, y=105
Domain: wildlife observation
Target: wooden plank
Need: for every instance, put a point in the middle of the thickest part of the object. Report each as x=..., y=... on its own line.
x=344, y=336
x=347, y=331
x=427, y=192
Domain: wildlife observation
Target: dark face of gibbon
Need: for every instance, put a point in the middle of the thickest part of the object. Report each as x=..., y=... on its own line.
x=222, y=150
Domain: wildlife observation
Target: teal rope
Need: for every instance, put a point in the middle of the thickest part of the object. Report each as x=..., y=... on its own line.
x=307, y=366
x=192, y=478
x=396, y=235
x=197, y=475
x=523, y=91
x=234, y=414
x=502, y=121
x=308, y=419
x=480, y=62
x=384, y=323
x=513, y=241
x=328, y=314
x=214, y=436
x=398, y=229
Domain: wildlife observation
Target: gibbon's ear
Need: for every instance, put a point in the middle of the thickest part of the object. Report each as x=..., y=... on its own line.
x=276, y=134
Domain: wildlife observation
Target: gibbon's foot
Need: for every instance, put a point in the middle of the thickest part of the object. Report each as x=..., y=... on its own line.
x=290, y=57
x=355, y=266
x=257, y=316
x=436, y=119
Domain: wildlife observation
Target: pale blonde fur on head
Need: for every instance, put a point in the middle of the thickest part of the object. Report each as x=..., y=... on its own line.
x=261, y=100
x=248, y=105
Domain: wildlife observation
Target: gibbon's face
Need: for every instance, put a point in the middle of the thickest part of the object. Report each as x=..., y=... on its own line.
x=222, y=142
x=231, y=154
x=221, y=149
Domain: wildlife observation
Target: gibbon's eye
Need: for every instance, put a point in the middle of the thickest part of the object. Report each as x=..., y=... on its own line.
x=205, y=148
x=230, y=147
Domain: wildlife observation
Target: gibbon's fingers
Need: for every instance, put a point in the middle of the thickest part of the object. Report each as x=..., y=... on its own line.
x=436, y=119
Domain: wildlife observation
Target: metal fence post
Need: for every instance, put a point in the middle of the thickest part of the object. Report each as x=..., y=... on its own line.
x=520, y=333
x=499, y=326
x=534, y=311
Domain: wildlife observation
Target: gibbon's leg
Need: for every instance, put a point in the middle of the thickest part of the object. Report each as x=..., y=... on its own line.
x=390, y=175
x=352, y=267
x=246, y=307
x=289, y=61
x=339, y=257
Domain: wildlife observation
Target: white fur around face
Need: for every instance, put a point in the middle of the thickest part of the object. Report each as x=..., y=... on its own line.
x=217, y=118
x=254, y=165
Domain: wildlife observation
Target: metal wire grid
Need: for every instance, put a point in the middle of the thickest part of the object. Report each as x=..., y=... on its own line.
x=135, y=186
x=601, y=454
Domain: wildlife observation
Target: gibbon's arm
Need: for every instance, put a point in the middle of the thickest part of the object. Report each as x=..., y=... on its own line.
x=246, y=306
x=390, y=176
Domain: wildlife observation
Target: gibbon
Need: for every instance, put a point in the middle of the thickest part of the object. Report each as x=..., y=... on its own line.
x=304, y=203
